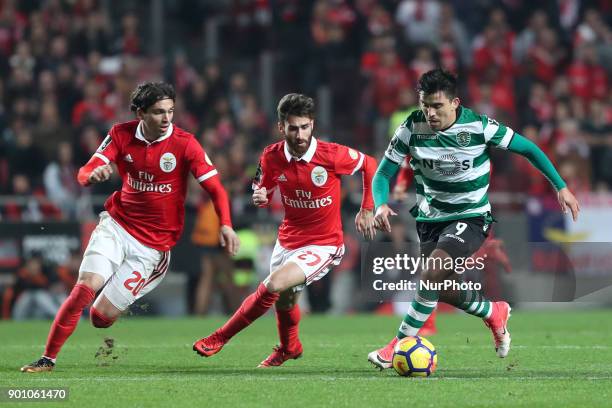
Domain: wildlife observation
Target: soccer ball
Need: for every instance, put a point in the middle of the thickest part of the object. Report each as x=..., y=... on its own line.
x=414, y=356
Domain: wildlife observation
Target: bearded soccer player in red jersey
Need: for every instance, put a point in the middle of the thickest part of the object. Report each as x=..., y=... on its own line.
x=129, y=251
x=307, y=173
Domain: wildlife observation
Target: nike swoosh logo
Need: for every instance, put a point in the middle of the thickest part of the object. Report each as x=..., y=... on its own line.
x=381, y=360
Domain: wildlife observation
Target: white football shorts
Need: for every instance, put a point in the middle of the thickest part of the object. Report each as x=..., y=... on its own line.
x=314, y=260
x=129, y=268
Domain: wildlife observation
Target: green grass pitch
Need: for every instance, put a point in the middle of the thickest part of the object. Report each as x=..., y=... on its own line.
x=558, y=359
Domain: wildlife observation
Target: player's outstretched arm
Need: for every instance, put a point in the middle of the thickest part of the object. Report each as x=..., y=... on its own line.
x=567, y=201
x=380, y=191
x=364, y=220
x=526, y=148
x=95, y=171
x=227, y=236
x=229, y=240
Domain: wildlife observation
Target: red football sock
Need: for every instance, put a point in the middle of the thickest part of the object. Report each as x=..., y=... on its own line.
x=287, y=322
x=255, y=305
x=67, y=318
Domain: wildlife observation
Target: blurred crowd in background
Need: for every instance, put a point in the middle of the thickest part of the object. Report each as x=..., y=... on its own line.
x=67, y=68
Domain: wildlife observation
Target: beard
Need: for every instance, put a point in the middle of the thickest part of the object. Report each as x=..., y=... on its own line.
x=298, y=149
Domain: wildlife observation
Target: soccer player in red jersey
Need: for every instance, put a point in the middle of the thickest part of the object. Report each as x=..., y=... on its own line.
x=129, y=251
x=307, y=173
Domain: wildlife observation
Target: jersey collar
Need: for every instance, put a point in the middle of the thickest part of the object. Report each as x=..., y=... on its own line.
x=140, y=135
x=307, y=157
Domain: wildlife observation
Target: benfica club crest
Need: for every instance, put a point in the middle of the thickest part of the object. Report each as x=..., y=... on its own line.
x=318, y=176
x=463, y=138
x=167, y=162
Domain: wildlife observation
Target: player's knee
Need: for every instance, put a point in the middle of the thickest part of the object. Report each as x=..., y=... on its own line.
x=99, y=320
x=433, y=275
x=91, y=280
x=86, y=281
x=274, y=284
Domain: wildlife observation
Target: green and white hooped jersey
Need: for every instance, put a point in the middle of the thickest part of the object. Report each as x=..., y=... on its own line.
x=451, y=167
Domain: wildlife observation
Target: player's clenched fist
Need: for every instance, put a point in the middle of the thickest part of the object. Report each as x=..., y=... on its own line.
x=260, y=197
x=100, y=173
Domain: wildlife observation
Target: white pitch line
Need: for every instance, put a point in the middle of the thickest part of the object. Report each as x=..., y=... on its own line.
x=521, y=346
x=120, y=346
x=322, y=378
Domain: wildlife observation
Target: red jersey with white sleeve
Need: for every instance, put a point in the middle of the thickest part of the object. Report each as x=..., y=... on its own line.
x=405, y=174
x=150, y=205
x=310, y=189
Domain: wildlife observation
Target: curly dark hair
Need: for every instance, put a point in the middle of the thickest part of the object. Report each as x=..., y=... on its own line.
x=147, y=94
x=296, y=105
x=438, y=80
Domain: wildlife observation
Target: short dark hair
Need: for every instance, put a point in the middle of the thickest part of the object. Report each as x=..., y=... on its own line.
x=438, y=80
x=296, y=105
x=147, y=94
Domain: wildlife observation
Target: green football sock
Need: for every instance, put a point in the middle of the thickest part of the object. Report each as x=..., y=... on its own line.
x=472, y=302
x=420, y=308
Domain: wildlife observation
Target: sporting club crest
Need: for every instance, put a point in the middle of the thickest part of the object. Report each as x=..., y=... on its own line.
x=463, y=138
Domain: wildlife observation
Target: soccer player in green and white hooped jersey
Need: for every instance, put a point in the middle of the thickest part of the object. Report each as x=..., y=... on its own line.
x=448, y=148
